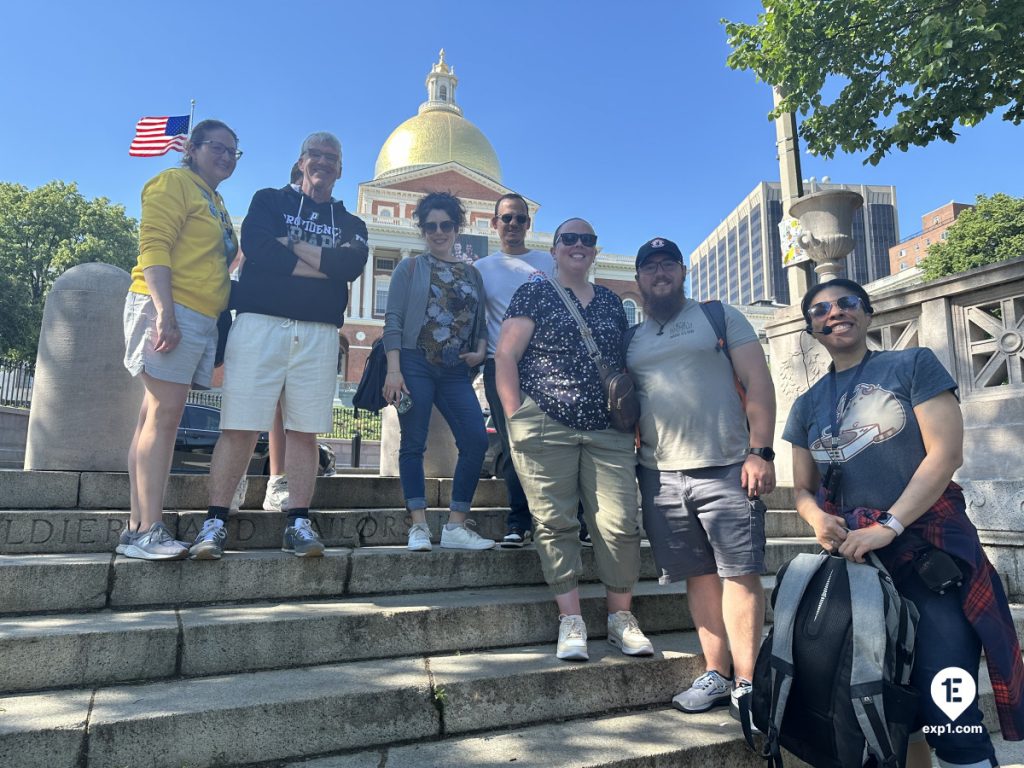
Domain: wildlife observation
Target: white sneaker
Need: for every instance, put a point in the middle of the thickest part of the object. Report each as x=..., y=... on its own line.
x=419, y=538
x=625, y=633
x=572, y=639
x=464, y=538
x=239, y=498
x=276, y=499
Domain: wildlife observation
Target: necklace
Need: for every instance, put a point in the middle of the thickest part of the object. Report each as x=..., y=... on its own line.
x=661, y=326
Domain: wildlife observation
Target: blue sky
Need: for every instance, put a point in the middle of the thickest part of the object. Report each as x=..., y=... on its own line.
x=625, y=114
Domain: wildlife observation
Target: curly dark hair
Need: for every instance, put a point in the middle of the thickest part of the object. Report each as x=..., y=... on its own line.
x=440, y=201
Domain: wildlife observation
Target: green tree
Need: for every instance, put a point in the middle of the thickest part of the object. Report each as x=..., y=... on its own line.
x=43, y=232
x=906, y=72
x=992, y=231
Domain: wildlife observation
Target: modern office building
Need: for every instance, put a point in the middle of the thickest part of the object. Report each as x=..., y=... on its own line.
x=740, y=262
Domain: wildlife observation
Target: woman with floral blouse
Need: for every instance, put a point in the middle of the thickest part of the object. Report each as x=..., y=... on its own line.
x=435, y=334
x=564, y=449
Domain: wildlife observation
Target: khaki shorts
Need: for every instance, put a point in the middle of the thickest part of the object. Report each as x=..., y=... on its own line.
x=191, y=362
x=273, y=358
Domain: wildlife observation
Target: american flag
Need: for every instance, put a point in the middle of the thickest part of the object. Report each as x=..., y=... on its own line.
x=157, y=135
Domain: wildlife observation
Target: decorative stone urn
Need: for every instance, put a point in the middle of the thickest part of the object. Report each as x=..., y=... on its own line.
x=827, y=222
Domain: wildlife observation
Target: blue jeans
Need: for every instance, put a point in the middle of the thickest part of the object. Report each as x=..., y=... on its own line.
x=519, y=508
x=944, y=639
x=451, y=390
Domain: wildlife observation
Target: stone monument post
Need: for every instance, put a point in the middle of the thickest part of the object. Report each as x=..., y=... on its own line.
x=85, y=404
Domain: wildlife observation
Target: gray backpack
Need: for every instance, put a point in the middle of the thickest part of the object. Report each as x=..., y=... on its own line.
x=832, y=679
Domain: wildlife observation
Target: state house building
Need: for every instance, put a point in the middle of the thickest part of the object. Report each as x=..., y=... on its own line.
x=438, y=150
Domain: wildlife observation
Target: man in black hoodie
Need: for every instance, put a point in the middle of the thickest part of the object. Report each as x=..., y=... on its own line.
x=302, y=248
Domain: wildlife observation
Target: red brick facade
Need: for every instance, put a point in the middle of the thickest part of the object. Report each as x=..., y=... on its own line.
x=933, y=229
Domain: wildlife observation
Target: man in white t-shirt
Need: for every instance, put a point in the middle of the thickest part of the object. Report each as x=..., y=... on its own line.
x=503, y=272
x=705, y=459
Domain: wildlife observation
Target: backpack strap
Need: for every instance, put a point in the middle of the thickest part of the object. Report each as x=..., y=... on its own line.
x=872, y=625
x=627, y=337
x=714, y=311
x=790, y=592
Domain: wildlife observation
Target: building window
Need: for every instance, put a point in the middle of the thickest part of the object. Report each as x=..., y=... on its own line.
x=380, y=295
x=444, y=93
x=384, y=265
x=903, y=251
x=387, y=213
x=903, y=265
x=935, y=220
x=631, y=314
x=945, y=235
x=927, y=241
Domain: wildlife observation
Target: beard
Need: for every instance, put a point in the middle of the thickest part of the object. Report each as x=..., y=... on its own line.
x=663, y=307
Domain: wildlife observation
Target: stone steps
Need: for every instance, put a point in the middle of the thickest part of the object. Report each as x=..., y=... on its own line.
x=491, y=707
x=50, y=583
x=74, y=531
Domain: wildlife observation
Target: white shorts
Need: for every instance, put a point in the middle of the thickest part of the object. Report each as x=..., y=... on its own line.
x=191, y=362
x=273, y=358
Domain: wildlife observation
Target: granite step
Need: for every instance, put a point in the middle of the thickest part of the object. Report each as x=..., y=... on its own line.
x=73, y=531
x=82, y=582
x=75, y=650
x=470, y=709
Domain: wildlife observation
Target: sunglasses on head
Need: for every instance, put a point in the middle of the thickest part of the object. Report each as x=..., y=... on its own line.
x=822, y=308
x=571, y=238
x=520, y=218
x=430, y=227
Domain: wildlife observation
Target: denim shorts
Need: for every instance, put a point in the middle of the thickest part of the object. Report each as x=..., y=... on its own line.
x=191, y=362
x=701, y=521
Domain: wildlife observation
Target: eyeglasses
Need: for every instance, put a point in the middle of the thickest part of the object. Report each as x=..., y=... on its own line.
x=571, y=238
x=521, y=218
x=219, y=149
x=430, y=227
x=822, y=308
x=668, y=266
x=330, y=157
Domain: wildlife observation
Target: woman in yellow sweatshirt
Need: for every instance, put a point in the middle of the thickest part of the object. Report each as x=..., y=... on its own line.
x=179, y=288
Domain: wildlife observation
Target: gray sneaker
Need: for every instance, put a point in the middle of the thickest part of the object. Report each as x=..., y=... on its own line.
x=572, y=639
x=210, y=541
x=301, y=540
x=276, y=498
x=126, y=538
x=155, y=544
x=709, y=690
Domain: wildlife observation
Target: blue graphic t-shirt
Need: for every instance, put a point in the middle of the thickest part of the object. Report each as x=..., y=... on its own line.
x=880, y=445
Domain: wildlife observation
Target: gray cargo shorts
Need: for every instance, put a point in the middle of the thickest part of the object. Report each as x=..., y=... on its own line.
x=701, y=521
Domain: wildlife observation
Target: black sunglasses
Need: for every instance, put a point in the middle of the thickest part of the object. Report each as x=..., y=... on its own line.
x=570, y=238
x=521, y=218
x=430, y=227
x=822, y=308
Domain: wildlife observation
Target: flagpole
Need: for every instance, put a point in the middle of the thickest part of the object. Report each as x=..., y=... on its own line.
x=191, y=115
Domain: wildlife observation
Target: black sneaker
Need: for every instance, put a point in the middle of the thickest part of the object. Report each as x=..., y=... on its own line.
x=515, y=539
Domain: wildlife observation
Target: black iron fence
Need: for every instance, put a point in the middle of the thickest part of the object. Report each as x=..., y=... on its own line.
x=344, y=423
x=16, y=383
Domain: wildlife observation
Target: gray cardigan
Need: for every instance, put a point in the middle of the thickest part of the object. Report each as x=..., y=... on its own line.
x=407, y=299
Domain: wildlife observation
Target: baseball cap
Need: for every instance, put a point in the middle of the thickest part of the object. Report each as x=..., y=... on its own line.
x=658, y=245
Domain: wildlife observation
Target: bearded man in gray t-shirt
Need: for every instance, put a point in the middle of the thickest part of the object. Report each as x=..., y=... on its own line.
x=701, y=469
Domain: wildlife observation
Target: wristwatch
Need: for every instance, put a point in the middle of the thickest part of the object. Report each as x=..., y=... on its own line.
x=888, y=521
x=765, y=453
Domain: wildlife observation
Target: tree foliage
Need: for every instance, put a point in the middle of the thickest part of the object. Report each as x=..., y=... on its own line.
x=990, y=232
x=907, y=72
x=44, y=232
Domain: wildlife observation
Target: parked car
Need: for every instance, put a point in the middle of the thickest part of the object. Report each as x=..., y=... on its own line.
x=198, y=433
x=494, y=459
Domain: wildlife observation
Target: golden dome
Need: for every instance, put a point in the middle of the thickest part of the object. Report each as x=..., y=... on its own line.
x=438, y=134
x=437, y=137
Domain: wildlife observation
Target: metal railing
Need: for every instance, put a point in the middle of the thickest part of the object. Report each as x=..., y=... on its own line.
x=16, y=383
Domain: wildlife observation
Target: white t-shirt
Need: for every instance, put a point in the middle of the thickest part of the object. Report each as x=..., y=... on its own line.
x=502, y=275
